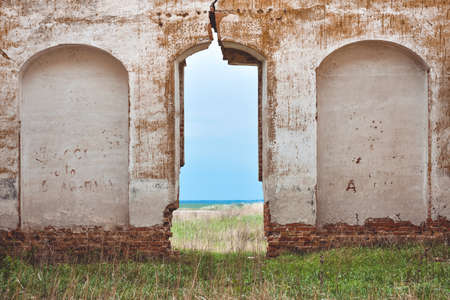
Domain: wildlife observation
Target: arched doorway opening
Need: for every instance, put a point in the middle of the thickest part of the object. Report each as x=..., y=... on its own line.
x=223, y=116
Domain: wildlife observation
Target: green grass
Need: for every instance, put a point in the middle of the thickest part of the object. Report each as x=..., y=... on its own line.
x=349, y=273
x=234, y=267
x=222, y=234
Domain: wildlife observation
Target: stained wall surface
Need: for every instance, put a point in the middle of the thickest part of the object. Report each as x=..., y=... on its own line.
x=372, y=100
x=74, y=139
x=293, y=38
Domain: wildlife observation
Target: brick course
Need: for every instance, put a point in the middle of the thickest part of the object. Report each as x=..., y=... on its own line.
x=63, y=244
x=67, y=244
x=299, y=237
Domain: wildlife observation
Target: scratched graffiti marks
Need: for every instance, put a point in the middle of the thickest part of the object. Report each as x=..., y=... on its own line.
x=66, y=178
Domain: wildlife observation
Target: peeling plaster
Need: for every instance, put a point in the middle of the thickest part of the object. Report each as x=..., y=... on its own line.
x=294, y=37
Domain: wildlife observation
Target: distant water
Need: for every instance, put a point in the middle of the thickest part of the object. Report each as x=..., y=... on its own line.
x=202, y=203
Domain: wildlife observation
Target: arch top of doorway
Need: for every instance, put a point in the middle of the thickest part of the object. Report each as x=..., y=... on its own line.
x=192, y=50
x=225, y=45
x=403, y=48
x=23, y=67
x=236, y=46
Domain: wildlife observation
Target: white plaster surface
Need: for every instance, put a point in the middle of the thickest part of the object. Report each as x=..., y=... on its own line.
x=74, y=139
x=372, y=135
x=9, y=218
x=145, y=213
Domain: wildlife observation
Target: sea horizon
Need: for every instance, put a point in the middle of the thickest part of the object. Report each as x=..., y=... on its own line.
x=202, y=203
x=225, y=200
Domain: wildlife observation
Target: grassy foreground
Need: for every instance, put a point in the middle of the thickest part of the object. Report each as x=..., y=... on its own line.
x=222, y=256
x=410, y=272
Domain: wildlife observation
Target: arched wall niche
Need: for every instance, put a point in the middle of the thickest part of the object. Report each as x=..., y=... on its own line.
x=407, y=51
x=74, y=155
x=372, y=141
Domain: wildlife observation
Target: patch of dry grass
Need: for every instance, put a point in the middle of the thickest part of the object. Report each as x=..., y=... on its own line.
x=221, y=228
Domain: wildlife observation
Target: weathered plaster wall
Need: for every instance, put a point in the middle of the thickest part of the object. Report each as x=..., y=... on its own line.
x=293, y=37
x=372, y=100
x=295, y=40
x=74, y=139
x=145, y=37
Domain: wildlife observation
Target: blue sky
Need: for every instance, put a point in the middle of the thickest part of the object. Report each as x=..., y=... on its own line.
x=221, y=130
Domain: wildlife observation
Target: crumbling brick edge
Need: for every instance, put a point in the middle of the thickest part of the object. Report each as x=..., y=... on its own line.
x=299, y=237
x=95, y=243
x=90, y=243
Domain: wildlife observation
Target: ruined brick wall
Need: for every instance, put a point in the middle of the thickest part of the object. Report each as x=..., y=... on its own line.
x=59, y=244
x=289, y=38
x=69, y=244
x=299, y=237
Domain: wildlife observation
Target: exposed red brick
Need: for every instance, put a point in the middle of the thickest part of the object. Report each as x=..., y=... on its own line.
x=54, y=244
x=63, y=244
x=298, y=237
